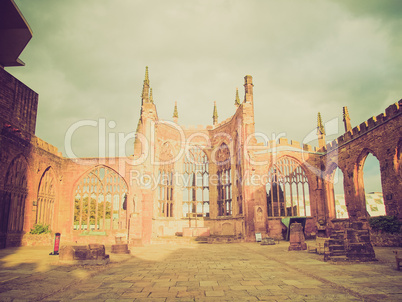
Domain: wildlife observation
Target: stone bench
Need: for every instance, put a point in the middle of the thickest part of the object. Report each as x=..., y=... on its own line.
x=77, y=254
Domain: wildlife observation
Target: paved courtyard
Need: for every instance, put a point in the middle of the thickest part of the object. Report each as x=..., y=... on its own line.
x=199, y=272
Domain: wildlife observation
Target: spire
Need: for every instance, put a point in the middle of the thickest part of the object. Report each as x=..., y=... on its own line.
x=146, y=80
x=215, y=115
x=145, y=88
x=175, y=113
x=237, y=100
x=346, y=119
x=248, y=87
x=320, y=132
x=151, y=98
x=320, y=126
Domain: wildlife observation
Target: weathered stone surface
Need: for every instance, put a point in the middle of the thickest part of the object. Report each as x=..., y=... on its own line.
x=91, y=254
x=120, y=248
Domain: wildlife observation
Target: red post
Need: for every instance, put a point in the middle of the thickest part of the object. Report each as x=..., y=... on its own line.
x=56, y=245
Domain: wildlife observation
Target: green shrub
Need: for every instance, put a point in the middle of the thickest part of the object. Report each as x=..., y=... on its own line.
x=40, y=229
x=388, y=224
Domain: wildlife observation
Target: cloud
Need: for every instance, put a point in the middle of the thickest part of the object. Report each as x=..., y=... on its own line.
x=87, y=61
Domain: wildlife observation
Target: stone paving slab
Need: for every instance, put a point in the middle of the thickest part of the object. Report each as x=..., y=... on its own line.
x=221, y=272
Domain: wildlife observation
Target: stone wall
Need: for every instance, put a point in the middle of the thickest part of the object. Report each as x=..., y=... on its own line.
x=386, y=239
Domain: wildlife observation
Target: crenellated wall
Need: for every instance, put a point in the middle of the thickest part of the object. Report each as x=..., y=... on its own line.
x=381, y=137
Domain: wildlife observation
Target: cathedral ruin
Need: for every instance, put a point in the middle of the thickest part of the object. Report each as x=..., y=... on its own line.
x=215, y=180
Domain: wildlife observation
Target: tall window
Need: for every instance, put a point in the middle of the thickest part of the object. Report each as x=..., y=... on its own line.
x=224, y=181
x=15, y=193
x=196, y=186
x=372, y=186
x=166, y=185
x=46, y=195
x=287, y=189
x=100, y=201
x=239, y=176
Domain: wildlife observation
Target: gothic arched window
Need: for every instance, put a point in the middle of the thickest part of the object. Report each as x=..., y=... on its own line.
x=46, y=196
x=100, y=201
x=166, y=185
x=287, y=189
x=15, y=193
x=196, y=186
x=224, y=181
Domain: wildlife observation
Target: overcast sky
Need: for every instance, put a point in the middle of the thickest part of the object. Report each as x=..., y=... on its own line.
x=87, y=61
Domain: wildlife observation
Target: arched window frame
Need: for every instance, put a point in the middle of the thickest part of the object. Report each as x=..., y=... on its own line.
x=287, y=189
x=15, y=194
x=166, y=184
x=196, y=187
x=46, y=199
x=107, y=190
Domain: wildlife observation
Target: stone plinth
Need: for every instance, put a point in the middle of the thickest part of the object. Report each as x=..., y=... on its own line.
x=296, y=237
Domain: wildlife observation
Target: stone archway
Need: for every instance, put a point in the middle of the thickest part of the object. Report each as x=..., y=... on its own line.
x=367, y=207
x=14, y=197
x=46, y=199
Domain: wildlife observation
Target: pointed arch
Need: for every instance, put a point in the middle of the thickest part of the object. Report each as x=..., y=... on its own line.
x=335, y=192
x=196, y=177
x=166, y=185
x=99, y=198
x=288, y=189
x=372, y=202
x=46, y=198
x=14, y=198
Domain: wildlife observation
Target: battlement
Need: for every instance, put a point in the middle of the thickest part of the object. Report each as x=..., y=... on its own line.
x=36, y=141
x=223, y=122
x=391, y=112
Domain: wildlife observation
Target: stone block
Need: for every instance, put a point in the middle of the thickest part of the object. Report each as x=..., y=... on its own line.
x=91, y=254
x=120, y=249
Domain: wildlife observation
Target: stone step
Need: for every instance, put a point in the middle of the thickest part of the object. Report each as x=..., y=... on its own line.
x=337, y=236
x=338, y=258
x=337, y=253
x=336, y=243
x=336, y=247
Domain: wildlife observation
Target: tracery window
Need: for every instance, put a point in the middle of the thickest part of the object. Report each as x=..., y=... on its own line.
x=46, y=197
x=15, y=193
x=196, y=186
x=287, y=189
x=166, y=185
x=224, y=181
x=100, y=201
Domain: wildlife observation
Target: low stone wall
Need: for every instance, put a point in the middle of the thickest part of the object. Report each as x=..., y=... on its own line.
x=386, y=239
x=37, y=240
